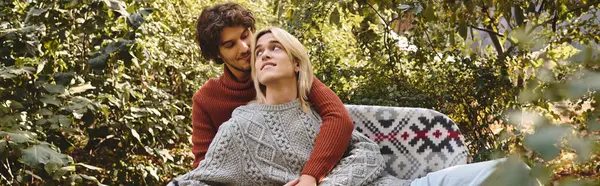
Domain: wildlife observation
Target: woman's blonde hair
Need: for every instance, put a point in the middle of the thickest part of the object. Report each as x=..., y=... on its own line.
x=297, y=53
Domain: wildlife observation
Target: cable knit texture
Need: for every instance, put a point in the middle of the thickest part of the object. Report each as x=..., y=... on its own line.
x=218, y=97
x=269, y=145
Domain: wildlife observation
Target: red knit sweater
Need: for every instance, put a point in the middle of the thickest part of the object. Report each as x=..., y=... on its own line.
x=218, y=97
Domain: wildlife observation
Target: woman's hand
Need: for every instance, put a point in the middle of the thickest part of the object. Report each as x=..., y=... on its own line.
x=307, y=180
x=293, y=182
x=304, y=180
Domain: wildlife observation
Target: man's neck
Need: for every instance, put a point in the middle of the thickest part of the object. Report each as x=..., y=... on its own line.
x=281, y=92
x=239, y=76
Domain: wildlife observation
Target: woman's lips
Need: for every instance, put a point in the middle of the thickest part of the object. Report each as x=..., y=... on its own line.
x=266, y=64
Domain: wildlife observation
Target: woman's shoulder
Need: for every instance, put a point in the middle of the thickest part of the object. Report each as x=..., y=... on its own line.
x=244, y=110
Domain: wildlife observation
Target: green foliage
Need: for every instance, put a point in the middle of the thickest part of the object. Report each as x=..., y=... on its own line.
x=483, y=63
x=97, y=80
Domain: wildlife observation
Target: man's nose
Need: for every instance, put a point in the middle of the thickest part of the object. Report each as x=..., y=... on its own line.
x=245, y=48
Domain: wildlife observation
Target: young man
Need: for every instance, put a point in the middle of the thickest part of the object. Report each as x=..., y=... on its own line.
x=224, y=32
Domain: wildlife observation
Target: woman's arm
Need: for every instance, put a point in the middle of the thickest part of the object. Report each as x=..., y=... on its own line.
x=221, y=165
x=334, y=134
x=362, y=166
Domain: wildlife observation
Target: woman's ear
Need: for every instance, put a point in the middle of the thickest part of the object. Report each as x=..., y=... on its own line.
x=296, y=66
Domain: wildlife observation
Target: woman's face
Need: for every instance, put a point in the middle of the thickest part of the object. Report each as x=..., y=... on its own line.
x=272, y=61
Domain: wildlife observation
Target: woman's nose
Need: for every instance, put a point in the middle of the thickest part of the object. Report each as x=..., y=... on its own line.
x=265, y=55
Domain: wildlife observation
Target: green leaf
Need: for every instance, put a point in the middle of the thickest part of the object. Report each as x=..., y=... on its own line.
x=403, y=7
x=51, y=100
x=36, y=11
x=81, y=88
x=51, y=166
x=15, y=105
x=519, y=16
x=76, y=178
x=511, y=171
x=164, y=154
x=582, y=83
x=3, y=147
x=136, y=135
x=18, y=136
x=55, y=89
x=99, y=61
x=462, y=28
x=154, y=111
x=429, y=13
x=583, y=148
x=91, y=178
x=41, y=66
x=43, y=154
x=89, y=166
x=33, y=175
x=153, y=173
x=72, y=4
x=417, y=9
x=45, y=112
x=117, y=6
x=334, y=18
x=64, y=120
x=62, y=171
x=546, y=140
x=135, y=20
x=146, y=11
x=114, y=46
x=593, y=124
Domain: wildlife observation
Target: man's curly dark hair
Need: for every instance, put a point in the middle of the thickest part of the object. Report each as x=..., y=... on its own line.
x=211, y=22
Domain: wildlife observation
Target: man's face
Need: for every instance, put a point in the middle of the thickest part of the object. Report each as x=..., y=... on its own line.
x=272, y=61
x=234, y=48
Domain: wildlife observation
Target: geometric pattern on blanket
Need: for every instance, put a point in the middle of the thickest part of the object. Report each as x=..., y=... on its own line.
x=413, y=141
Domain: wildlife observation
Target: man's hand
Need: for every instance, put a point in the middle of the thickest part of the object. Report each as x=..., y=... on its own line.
x=307, y=180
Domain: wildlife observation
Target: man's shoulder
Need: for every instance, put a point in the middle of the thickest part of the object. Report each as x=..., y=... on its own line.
x=210, y=87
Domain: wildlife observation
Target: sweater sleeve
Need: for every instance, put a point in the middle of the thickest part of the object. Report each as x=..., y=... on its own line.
x=203, y=130
x=221, y=165
x=334, y=134
x=362, y=166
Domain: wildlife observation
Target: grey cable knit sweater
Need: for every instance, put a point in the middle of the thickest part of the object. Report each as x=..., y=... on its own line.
x=269, y=145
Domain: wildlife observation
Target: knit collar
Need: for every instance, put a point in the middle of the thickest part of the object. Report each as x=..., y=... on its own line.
x=285, y=106
x=228, y=80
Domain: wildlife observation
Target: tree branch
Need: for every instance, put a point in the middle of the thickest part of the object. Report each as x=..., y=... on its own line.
x=380, y=16
x=569, y=11
x=487, y=30
x=494, y=38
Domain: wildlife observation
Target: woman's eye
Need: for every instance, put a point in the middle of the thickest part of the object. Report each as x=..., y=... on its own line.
x=276, y=48
x=259, y=53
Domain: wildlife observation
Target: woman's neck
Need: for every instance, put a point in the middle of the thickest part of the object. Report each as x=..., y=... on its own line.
x=281, y=92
